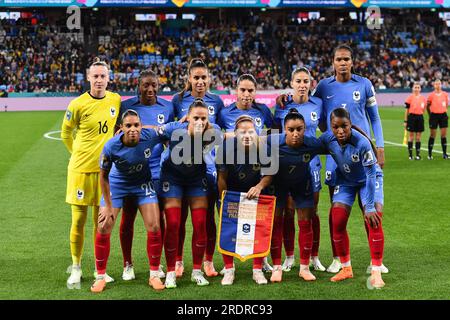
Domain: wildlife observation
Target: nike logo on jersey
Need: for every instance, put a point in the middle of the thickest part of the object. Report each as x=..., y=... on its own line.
x=329, y=97
x=86, y=116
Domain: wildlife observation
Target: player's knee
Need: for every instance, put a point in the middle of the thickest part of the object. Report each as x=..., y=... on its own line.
x=152, y=226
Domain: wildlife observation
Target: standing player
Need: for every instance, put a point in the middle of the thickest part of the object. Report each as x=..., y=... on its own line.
x=153, y=112
x=355, y=157
x=125, y=173
x=186, y=179
x=296, y=150
x=356, y=94
x=415, y=106
x=197, y=87
x=437, y=104
x=92, y=115
x=242, y=177
x=245, y=105
x=311, y=110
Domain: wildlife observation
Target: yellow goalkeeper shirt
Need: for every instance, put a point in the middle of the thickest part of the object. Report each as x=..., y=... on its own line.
x=94, y=120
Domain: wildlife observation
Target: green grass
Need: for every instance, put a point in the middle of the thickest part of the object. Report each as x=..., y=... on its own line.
x=35, y=222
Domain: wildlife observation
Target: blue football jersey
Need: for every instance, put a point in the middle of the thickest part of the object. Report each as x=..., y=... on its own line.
x=213, y=101
x=350, y=158
x=155, y=115
x=242, y=175
x=158, y=114
x=129, y=165
x=310, y=110
x=357, y=96
x=294, y=162
x=259, y=112
x=185, y=169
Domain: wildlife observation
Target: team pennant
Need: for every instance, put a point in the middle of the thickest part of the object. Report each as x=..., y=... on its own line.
x=245, y=226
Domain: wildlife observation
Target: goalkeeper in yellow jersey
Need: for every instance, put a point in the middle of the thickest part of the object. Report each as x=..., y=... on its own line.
x=88, y=123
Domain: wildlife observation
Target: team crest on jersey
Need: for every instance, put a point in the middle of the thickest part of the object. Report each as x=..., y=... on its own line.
x=306, y=157
x=68, y=115
x=80, y=194
x=368, y=156
x=328, y=175
x=160, y=118
x=314, y=116
x=355, y=157
x=112, y=110
x=356, y=96
x=211, y=110
x=336, y=190
x=256, y=167
x=166, y=186
x=246, y=228
x=258, y=121
x=147, y=153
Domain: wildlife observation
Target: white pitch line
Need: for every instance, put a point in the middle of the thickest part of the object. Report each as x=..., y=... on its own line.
x=402, y=145
x=48, y=135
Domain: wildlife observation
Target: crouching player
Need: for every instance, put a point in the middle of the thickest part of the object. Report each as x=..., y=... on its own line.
x=355, y=158
x=242, y=176
x=294, y=179
x=124, y=173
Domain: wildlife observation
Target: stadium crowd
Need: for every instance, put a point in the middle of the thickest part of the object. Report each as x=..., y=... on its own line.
x=43, y=58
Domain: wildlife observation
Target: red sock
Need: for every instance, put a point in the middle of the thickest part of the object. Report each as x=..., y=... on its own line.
x=162, y=225
x=198, y=236
x=340, y=235
x=316, y=235
x=102, y=248
x=305, y=239
x=228, y=261
x=154, y=248
x=289, y=231
x=210, y=234
x=376, y=243
x=257, y=263
x=277, y=235
x=127, y=230
x=330, y=225
x=182, y=232
x=173, y=216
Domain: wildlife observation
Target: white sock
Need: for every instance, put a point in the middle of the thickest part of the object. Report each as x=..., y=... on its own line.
x=376, y=268
x=154, y=273
x=347, y=264
x=304, y=267
x=315, y=259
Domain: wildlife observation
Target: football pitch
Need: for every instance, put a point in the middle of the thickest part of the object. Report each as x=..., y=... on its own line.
x=35, y=223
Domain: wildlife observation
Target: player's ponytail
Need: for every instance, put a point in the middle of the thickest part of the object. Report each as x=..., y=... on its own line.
x=98, y=62
x=343, y=113
x=198, y=103
x=293, y=114
x=194, y=63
